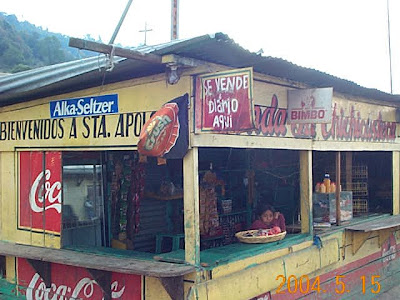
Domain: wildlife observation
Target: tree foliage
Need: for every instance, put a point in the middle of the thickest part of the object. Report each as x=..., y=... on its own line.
x=24, y=46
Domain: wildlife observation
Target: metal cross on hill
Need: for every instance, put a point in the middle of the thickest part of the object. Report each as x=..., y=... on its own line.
x=145, y=30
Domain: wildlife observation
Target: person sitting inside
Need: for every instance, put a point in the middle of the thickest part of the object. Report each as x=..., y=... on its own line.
x=268, y=218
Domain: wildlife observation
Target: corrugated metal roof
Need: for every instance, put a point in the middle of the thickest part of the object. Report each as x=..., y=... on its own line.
x=217, y=48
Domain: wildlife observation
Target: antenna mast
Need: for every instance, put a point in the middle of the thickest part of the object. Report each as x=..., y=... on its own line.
x=390, y=50
x=120, y=22
x=174, y=19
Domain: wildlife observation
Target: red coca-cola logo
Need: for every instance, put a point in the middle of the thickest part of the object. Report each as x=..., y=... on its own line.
x=68, y=282
x=40, y=191
x=85, y=288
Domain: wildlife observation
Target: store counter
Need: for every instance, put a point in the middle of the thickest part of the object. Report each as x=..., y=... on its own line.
x=384, y=226
x=213, y=257
x=128, y=264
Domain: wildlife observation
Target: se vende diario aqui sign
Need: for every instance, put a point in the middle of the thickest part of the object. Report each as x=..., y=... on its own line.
x=224, y=101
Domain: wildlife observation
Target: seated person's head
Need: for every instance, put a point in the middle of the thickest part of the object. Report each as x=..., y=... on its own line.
x=266, y=213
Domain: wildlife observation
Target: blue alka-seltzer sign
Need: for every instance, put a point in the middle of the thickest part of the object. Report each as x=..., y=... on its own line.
x=86, y=106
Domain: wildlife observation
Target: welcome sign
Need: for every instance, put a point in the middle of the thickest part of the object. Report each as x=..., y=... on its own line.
x=86, y=106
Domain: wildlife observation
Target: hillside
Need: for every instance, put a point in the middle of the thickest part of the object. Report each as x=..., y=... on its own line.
x=24, y=46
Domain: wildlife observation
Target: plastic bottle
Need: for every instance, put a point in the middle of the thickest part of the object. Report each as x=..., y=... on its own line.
x=333, y=187
x=322, y=188
x=318, y=187
x=327, y=183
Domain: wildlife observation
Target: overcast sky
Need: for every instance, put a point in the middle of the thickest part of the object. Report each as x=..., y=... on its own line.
x=345, y=38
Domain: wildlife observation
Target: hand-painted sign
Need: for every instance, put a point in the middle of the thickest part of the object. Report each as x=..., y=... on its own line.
x=40, y=191
x=310, y=106
x=69, y=282
x=86, y=106
x=389, y=250
x=224, y=101
x=166, y=133
x=124, y=125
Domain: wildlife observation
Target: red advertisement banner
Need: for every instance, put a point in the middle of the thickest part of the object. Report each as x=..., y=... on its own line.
x=68, y=282
x=40, y=191
x=224, y=101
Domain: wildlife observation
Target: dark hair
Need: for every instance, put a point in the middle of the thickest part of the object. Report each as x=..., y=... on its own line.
x=262, y=207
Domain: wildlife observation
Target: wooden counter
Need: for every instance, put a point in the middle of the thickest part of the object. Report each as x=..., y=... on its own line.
x=379, y=224
x=106, y=262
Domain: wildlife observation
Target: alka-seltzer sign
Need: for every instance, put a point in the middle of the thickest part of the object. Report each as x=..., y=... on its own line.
x=40, y=191
x=224, y=101
x=310, y=106
x=86, y=106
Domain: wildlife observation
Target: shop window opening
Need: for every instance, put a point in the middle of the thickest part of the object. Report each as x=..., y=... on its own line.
x=83, y=214
x=365, y=186
x=235, y=183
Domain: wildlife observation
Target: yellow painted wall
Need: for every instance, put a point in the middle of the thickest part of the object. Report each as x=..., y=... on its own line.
x=134, y=97
x=254, y=276
x=264, y=92
x=143, y=95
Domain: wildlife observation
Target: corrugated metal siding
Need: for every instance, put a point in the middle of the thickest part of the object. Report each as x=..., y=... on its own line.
x=153, y=218
x=153, y=213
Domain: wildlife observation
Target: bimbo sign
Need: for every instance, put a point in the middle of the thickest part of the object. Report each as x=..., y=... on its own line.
x=40, y=191
x=310, y=106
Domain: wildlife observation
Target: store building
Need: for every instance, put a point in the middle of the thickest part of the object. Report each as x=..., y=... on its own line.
x=85, y=215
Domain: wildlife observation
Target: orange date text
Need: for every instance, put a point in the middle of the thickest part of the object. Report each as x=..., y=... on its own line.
x=305, y=285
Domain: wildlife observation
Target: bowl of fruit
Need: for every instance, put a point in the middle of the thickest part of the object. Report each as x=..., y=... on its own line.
x=261, y=236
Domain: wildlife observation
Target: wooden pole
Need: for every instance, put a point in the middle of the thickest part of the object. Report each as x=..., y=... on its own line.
x=306, y=191
x=118, y=51
x=349, y=170
x=191, y=207
x=396, y=182
x=338, y=221
x=174, y=19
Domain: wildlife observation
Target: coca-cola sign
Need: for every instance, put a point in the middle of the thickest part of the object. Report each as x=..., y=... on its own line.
x=40, y=191
x=72, y=283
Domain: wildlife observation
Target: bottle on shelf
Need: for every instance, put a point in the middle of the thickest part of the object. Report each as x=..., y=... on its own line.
x=327, y=183
x=333, y=187
x=318, y=187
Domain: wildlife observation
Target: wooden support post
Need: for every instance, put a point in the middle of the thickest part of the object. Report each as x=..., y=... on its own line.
x=349, y=171
x=173, y=286
x=103, y=279
x=358, y=239
x=43, y=268
x=383, y=235
x=306, y=191
x=338, y=213
x=191, y=207
x=396, y=182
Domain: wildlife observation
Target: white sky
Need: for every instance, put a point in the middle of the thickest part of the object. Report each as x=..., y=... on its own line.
x=345, y=38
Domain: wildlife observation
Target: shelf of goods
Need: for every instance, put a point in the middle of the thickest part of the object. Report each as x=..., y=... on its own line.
x=358, y=185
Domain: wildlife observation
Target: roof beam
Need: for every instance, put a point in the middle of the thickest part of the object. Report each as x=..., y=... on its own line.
x=173, y=59
x=118, y=51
